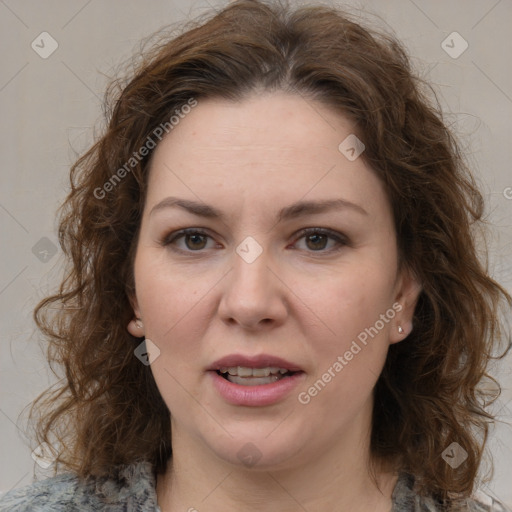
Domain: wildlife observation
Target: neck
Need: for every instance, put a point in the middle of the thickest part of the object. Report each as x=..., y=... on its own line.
x=337, y=478
x=312, y=490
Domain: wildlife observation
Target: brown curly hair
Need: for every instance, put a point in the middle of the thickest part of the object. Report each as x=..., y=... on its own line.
x=107, y=410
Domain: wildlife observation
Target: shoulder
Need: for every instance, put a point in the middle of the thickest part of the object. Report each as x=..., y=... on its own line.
x=50, y=494
x=405, y=499
x=487, y=503
x=131, y=487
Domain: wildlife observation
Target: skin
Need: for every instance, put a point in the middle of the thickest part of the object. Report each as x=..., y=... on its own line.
x=303, y=299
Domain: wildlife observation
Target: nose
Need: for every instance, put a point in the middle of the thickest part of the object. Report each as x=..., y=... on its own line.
x=254, y=297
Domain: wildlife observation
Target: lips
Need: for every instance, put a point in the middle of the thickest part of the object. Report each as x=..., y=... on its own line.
x=257, y=361
x=254, y=391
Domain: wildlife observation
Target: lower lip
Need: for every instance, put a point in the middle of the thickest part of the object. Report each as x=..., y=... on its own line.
x=263, y=394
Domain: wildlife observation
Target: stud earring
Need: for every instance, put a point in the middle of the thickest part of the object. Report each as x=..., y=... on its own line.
x=138, y=323
x=400, y=330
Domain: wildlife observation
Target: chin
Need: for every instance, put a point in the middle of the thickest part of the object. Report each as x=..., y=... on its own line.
x=258, y=453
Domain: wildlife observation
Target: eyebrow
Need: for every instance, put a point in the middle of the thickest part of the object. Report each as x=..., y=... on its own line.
x=299, y=209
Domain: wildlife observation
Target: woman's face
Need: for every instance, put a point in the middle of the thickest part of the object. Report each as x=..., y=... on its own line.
x=252, y=285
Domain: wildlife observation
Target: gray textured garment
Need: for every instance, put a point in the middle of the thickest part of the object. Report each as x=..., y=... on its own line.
x=133, y=490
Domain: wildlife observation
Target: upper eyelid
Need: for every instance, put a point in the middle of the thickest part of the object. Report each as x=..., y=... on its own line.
x=207, y=232
x=333, y=234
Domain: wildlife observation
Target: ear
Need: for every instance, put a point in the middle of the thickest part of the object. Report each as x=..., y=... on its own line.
x=408, y=289
x=135, y=327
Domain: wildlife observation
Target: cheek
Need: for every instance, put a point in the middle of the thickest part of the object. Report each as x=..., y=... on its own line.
x=175, y=318
x=168, y=297
x=349, y=361
x=351, y=305
x=353, y=300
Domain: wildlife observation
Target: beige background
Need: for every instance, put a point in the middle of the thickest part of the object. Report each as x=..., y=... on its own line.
x=49, y=106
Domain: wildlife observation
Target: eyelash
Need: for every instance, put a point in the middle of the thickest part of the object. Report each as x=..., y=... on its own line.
x=341, y=240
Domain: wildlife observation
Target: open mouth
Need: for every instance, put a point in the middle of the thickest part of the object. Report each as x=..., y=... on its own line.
x=254, y=376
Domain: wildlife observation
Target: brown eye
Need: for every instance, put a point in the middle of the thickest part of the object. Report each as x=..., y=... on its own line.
x=187, y=240
x=195, y=242
x=318, y=240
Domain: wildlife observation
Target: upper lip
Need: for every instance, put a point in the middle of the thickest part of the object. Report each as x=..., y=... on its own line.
x=259, y=361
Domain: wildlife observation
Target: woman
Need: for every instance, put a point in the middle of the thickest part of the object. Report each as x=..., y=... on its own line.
x=274, y=300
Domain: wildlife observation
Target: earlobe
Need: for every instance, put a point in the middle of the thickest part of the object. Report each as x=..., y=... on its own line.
x=135, y=327
x=407, y=296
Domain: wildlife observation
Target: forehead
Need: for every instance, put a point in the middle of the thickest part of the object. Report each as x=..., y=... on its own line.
x=267, y=149
x=262, y=122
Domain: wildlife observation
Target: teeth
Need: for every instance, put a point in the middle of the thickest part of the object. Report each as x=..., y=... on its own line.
x=255, y=381
x=256, y=372
x=244, y=371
